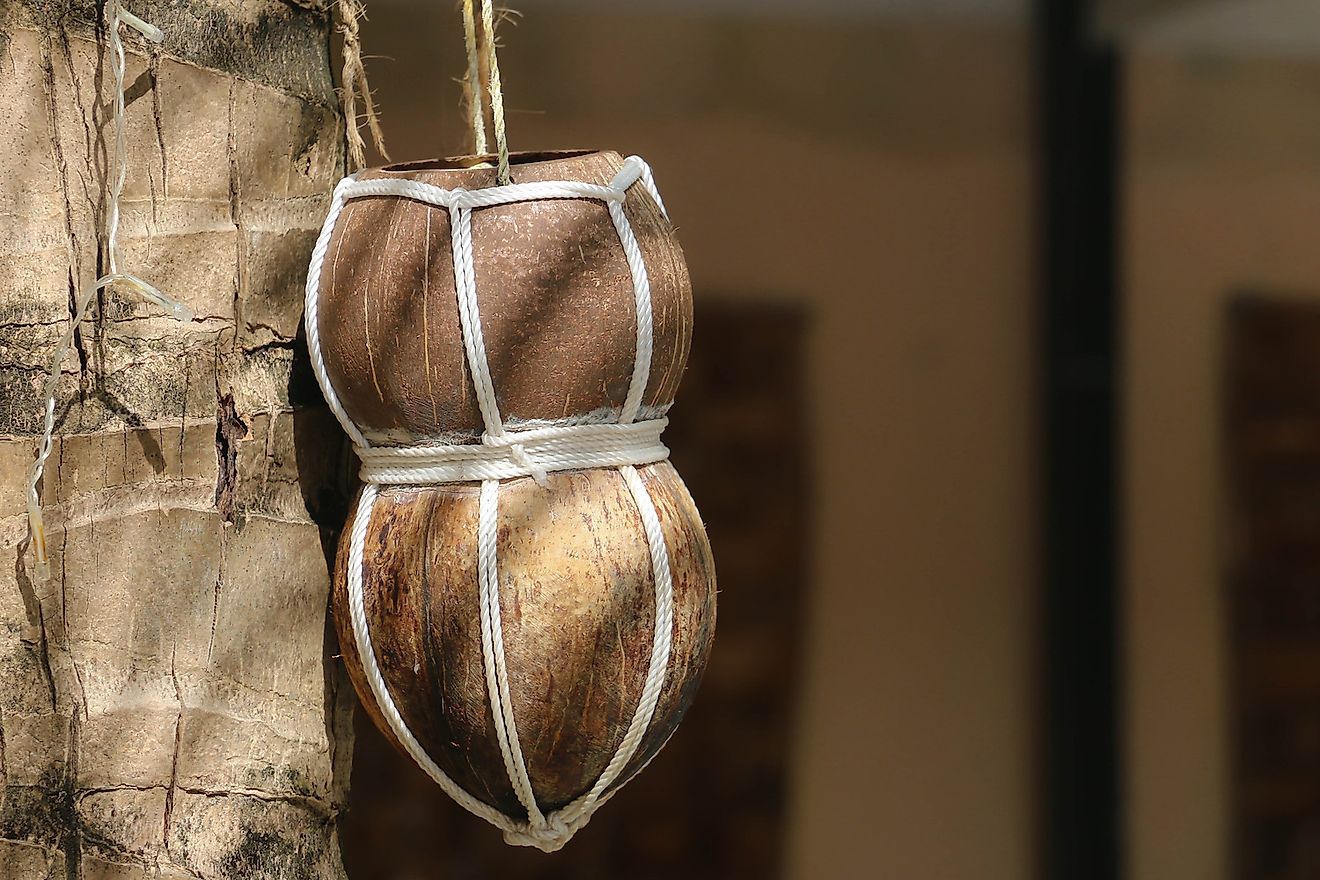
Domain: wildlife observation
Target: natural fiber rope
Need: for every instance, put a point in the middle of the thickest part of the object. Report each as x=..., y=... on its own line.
x=473, y=82
x=496, y=94
x=477, y=46
x=354, y=83
x=504, y=454
x=115, y=15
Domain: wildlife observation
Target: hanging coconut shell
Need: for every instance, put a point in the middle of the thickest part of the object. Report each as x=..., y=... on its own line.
x=575, y=574
x=556, y=303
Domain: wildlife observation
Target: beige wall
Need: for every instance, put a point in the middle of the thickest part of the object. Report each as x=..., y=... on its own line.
x=1222, y=196
x=879, y=174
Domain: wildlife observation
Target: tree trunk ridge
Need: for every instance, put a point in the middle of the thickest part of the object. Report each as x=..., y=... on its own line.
x=168, y=703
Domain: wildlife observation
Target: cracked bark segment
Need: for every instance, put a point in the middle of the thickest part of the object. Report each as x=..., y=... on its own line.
x=577, y=606
x=150, y=724
x=283, y=46
x=556, y=295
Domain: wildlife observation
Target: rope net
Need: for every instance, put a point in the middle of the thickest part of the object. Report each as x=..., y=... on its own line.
x=504, y=454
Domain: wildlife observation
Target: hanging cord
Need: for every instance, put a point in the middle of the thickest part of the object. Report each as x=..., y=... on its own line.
x=496, y=94
x=355, y=84
x=476, y=47
x=117, y=15
x=473, y=82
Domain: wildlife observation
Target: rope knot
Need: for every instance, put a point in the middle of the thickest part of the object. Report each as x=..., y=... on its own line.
x=548, y=836
x=519, y=454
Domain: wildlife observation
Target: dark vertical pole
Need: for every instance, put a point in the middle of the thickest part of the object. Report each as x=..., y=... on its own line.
x=1078, y=154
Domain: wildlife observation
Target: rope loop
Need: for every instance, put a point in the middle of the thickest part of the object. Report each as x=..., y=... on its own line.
x=518, y=452
x=549, y=835
x=536, y=472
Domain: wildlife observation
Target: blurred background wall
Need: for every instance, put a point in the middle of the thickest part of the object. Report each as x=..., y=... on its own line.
x=873, y=164
x=1221, y=200
x=869, y=162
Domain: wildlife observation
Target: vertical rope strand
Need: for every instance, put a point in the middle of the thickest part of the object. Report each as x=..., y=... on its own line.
x=376, y=679
x=469, y=314
x=476, y=109
x=354, y=83
x=496, y=93
x=578, y=813
x=492, y=651
x=643, y=311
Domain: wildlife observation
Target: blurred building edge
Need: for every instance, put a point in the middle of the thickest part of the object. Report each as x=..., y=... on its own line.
x=1116, y=20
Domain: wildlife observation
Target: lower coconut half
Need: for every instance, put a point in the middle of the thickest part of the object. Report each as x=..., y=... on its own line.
x=577, y=603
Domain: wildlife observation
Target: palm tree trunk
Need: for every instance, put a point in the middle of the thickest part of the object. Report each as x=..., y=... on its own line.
x=168, y=708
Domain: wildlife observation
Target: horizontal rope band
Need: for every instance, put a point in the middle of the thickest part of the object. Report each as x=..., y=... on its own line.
x=631, y=171
x=530, y=453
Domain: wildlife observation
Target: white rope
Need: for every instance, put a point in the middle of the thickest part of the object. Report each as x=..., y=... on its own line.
x=642, y=305
x=367, y=653
x=474, y=341
x=661, y=646
x=310, y=314
x=492, y=652
x=117, y=15
x=530, y=453
x=418, y=191
x=504, y=454
x=648, y=181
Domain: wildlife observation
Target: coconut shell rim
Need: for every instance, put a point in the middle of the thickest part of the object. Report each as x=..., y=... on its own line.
x=469, y=162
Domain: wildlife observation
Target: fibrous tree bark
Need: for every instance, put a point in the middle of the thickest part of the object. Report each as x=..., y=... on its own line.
x=167, y=702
